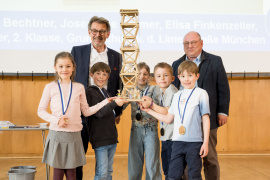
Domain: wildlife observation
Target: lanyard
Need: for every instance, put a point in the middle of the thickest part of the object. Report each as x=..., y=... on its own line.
x=185, y=105
x=161, y=104
x=145, y=92
x=64, y=107
x=106, y=97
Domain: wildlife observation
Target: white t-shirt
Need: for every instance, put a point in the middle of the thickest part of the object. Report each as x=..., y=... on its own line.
x=197, y=106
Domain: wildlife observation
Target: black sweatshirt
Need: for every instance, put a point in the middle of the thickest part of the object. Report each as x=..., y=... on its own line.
x=101, y=125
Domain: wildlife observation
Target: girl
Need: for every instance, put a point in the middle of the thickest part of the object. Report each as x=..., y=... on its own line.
x=64, y=150
x=143, y=136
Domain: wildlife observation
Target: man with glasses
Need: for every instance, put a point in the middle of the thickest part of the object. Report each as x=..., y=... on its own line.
x=86, y=56
x=213, y=79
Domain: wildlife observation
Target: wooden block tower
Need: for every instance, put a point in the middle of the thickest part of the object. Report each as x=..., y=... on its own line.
x=130, y=51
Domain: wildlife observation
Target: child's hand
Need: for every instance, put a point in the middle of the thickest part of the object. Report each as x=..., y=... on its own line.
x=120, y=101
x=63, y=122
x=144, y=109
x=111, y=99
x=204, y=150
x=147, y=102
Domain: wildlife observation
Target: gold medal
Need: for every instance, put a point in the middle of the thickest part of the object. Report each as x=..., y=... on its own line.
x=182, y=130
x=66, y=119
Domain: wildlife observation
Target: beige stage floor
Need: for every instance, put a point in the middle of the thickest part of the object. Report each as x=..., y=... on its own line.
x=233, y=167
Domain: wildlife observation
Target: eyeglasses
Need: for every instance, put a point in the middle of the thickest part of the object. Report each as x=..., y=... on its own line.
x=193, y=43
x=101, y=32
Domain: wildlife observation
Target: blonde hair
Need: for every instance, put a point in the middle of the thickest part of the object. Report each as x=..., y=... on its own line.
x=164, y=65
x=190, y=66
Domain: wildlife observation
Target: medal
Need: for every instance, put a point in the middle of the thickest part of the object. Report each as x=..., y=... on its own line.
x=182, y=130
x=162, y=131
x=138, y=116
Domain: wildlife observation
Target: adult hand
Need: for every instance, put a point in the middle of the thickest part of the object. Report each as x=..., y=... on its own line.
x=63, y=122
x=117, y=119
x=222, y=119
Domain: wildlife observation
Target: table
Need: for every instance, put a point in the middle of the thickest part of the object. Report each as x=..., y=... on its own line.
x=42, y=129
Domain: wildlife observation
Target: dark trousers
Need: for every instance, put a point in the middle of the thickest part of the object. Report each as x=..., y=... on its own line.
x=210, y=162
x=185, y=153
x=85, y=140
x=166, y=151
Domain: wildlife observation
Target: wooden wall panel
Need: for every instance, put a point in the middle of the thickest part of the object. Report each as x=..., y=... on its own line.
x=247, y=130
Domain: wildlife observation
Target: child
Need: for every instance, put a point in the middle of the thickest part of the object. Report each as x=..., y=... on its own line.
x=143, y=135
x=164, y=77
x=101, y=126
x=64, y=150
x=189, y=108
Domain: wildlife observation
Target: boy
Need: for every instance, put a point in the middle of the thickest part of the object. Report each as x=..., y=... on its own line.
x=101, y=126
x=189, y=108
x=143, y=143
x=163, y=73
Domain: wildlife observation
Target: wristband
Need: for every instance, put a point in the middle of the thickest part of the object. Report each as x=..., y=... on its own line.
x=151, y=104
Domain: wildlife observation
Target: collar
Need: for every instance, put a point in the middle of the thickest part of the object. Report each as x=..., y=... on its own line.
x=93, y=50
x=197, y=60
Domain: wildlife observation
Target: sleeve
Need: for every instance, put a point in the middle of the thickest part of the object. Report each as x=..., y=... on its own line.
x=169, y=96
x=176, y=81
x=73, y=52
x=154, y=93
x=86, y=110
x=118, y=110
x=204, y=103
x=174, y=102
x=93, y=100
x=223, y=90
x=43, y=105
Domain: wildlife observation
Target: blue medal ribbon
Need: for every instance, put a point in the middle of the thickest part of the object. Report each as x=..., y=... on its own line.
x=161, y=104
x=145, y=92
x=64, y=109
x=105, y=98
x=185, y=105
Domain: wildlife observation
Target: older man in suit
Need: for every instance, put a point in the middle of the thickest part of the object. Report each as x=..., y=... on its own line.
x=86, y=56
x=213, y=79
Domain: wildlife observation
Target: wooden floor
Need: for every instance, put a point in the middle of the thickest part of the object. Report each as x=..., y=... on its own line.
x=233, y=167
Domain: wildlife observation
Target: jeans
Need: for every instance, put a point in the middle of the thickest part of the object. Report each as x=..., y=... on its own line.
x=144, y=141
x=104, y=161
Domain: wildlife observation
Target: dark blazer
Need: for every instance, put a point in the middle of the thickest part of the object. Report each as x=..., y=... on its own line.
x=81, y=56
x=213, y=79
x=101, y=125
